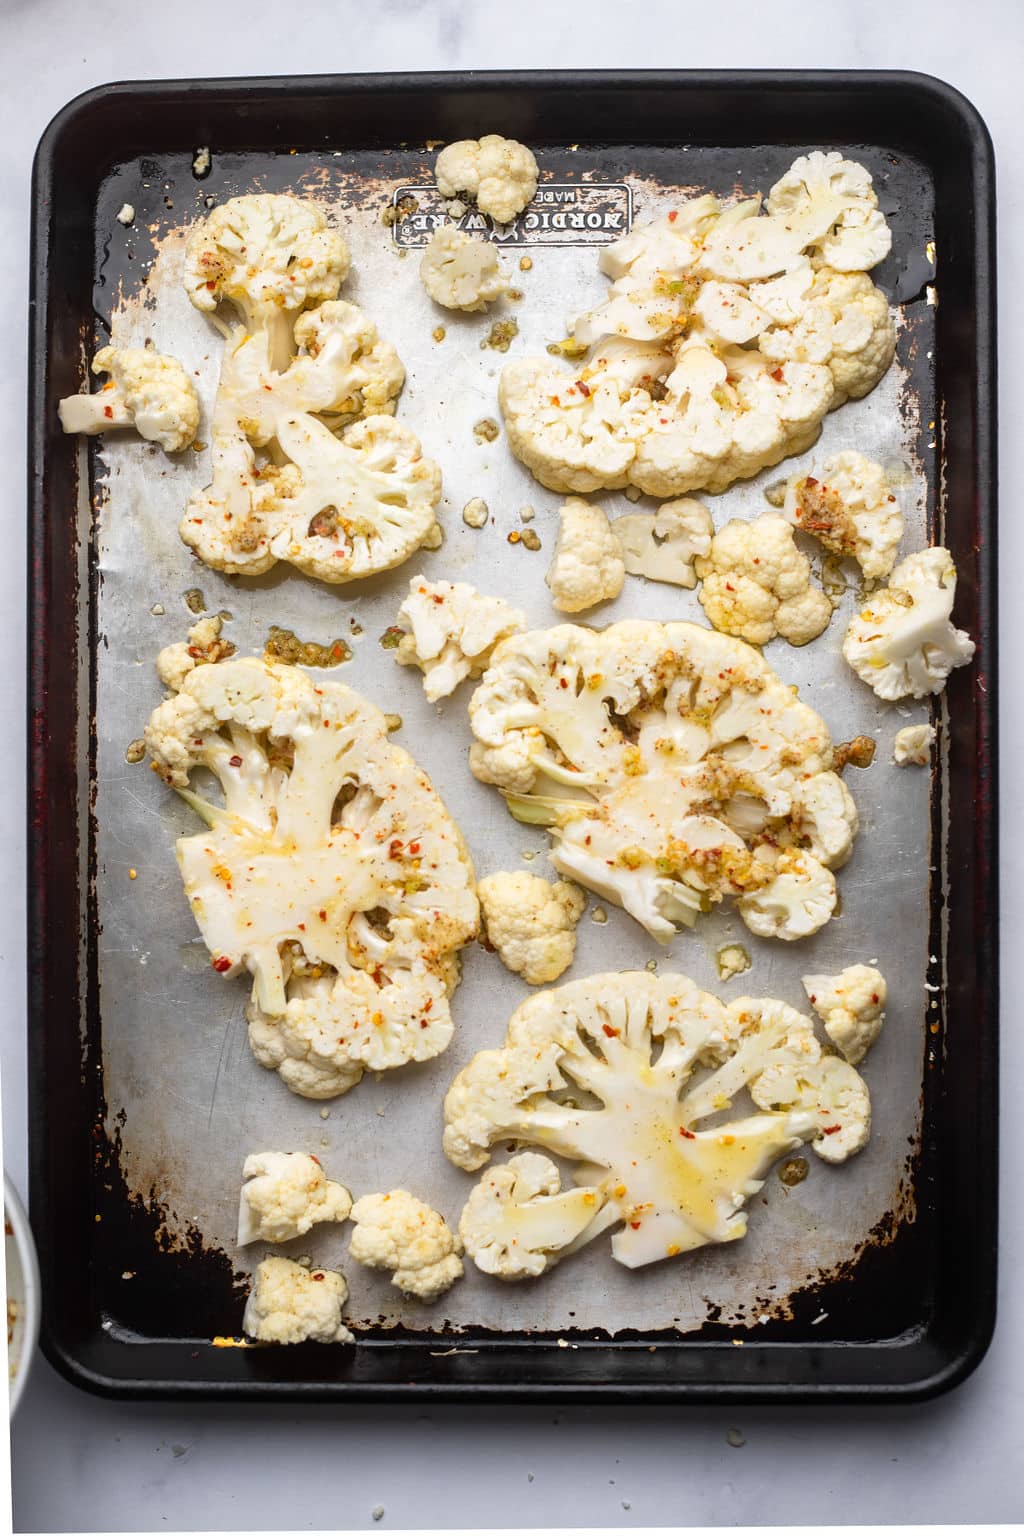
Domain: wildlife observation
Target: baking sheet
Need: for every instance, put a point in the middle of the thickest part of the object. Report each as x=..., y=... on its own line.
x=188, y=1099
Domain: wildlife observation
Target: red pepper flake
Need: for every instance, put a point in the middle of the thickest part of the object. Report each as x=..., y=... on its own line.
x=584, y=389
x=830, y=1130
x=673, y=216
x=108, y=411
x=395, y=848
x=874, y=997
x=317, y=1276
x=235, y=762
x=222, y=964
x=323, y=914
x=563, y=682
x=634, y=1225
x=688, y=1134
x=778, y=376
x=610, y=1032
x=423, y=1024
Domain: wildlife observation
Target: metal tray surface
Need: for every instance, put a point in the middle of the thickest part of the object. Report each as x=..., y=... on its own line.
x=841, y=1283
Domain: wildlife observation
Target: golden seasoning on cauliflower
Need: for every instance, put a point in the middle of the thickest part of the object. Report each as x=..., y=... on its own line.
x=588, y=566
x=757, y=584
x=725, y=339
x=617, y=1074
x=851, y=1006
x=912, y=746
x=902, y=642
x=850, y=508
x=332, y=872
x=449, y=630
x=499, y=175
x=663, y=545
x=674, y=769
x=146, y=390
x=285, y=1194
x=531, y=922
x=204, y=644
x=289, y=1304
x=460, y=272
x=398, y=1232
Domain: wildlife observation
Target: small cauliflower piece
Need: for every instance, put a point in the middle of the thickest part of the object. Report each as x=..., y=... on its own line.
x=732, y=960
x=450, y=630
x=531, y=923
x=902, y=642
x=850, y=509
x=838, y=196
x=757, y=584
x=851, y=1006
x=498, y=174
x=146, y=390
x=663, y=545
x=518, y=1221
x=286, y=1194
x=289, y=1304
x=797, y=900
x=912, y=746
x=617, y=1074
x=332, y=872
x=270, y=256
x=673, y=767
x=460, y=272
x=175, y=662
x=588, y=565
x=398, y=1232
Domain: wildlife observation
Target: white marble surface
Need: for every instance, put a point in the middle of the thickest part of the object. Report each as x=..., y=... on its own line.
x=81, y=1464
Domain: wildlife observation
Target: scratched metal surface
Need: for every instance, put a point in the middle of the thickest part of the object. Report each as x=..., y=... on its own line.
x=178, y=1072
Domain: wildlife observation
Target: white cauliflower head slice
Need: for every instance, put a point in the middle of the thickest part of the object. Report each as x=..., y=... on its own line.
x=332, y=873
x=460, y=272
x=650, y=1058
x=757, y=584
x=663, y=545
x=398, y=1232
x=204, y=643
x=146, y=390
x=669, y=761
x=498, y=174
x=286, y=1193
x=289, y=1304
x=902, y=642
x=269, y=255
x=587, y=567
x=857, y=237
x=912, y=746
x=531, y=923
x=343, y=508
x=449, y=631
x=518, y=1221
x=851, y=1005
x=850, y=508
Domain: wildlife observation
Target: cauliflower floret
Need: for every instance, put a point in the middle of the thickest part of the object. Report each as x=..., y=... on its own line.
x=902, y=643
x=500, y=175
x=732, y=960
x=146, y=390
x=450, y=630
x=398, y=1232
x=270, y=256
x=286, y=1194
x=687, y=769
x=518, y=1221
x=531, y=923
x=588, y=566
x=343, y=508
x=757, y=584
x=289, y=1304
x=460, y=272
x=851, y=1006
x=175, y=662
x=912, y=746
x=616, y=1074
x=797, y=901
x=857, y=236
x=663, y=545
x=332, y=873
x=850, y=509
x=843, y=324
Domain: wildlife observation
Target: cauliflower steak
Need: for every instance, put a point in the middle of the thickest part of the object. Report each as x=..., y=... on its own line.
x=616, y=1074
x=673, y=767
x=332, y=872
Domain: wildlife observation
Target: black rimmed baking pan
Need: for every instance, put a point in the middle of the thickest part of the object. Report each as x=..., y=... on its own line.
x=138, y=1300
